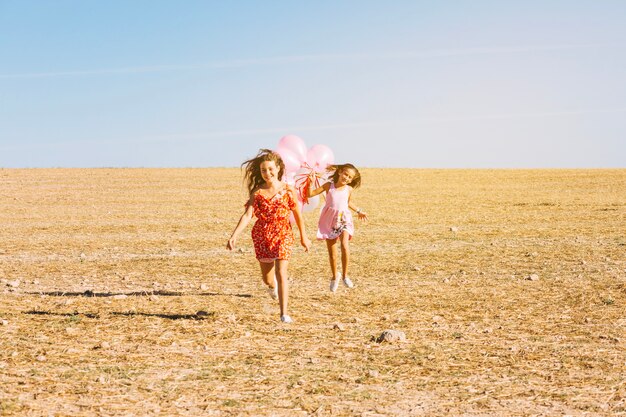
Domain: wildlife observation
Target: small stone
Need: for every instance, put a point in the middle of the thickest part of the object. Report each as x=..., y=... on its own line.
x=446, y=280
x=153, y=297
x=4, y=322
x=202, y=314
x=417, y=268
x=35, y=282
x=103, y=345
x=488, y=330
x=41, y=358
x=532, y=277
x=339, y=326
x=354, y=320
x=14, y=283
x=454, y=229
x=391, y=336
x=204, y=287
x=14, y=354
x=102, y=380
x=241, y=250
x=373, y=373
x=587, y=320
x=385, y=317
x=438, y=319
x=430, y=357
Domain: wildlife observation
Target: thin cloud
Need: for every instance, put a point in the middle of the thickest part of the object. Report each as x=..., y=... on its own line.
x=243, y=63
x=388, y=123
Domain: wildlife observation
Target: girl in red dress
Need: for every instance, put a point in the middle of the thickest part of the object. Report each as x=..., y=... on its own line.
x=271, y=202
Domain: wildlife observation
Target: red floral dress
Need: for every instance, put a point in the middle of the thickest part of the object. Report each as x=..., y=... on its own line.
x=272, y=234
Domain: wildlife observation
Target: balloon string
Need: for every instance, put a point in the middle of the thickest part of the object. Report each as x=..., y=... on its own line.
x=303, y=182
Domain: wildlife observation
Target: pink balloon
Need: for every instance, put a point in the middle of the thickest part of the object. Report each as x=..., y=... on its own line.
x=295, y=145
x=319, y=157
x=305, y=208
x=292, y=162
x=290, y=178
x=311, y=205
x=302, y=171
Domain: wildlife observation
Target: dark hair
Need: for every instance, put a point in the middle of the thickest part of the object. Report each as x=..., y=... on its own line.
x=252, y=168
x=356, y=181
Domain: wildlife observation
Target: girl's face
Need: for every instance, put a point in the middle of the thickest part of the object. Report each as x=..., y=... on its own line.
x=269, y=171
x=345, y=176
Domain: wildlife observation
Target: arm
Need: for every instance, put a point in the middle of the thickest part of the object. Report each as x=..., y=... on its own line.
x=319, y=190
x=312, y=193
x=243, y=222
x=304, y=240
x=360, y=213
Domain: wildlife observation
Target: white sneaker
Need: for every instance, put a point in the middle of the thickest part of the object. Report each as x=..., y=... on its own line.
x=286, y=319
x=334, y=284
x=348, y=282
x=273, y=292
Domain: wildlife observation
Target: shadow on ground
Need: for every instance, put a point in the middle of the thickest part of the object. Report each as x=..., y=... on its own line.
x=90, y=293
x=200, y=315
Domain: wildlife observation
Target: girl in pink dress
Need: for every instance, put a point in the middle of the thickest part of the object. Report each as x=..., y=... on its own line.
x=335, y=222
x=271, y=202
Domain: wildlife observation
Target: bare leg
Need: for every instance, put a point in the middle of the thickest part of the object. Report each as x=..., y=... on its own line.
x=331, y=244
x=345, y=253
x=267, y=273
x=283, y=285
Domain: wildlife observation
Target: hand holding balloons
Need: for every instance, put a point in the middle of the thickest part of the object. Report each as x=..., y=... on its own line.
x=303, y=167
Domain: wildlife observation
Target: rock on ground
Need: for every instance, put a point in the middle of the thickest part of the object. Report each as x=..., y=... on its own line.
x=391, y=336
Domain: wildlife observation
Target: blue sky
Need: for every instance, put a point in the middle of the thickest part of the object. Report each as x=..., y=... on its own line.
x=467, y=84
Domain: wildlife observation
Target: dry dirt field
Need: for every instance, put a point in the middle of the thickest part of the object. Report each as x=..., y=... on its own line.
x=510, y=286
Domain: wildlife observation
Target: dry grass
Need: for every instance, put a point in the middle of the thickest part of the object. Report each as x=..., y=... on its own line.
x=113, y=265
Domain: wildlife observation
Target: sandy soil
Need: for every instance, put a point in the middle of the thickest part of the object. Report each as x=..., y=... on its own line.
x=510, y=286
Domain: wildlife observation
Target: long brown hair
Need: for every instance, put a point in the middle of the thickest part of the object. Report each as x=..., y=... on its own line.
x=252, y=168
x=336, y=170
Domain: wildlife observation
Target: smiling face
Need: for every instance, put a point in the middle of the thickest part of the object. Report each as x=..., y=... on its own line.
x=345, y=177
x=269, y=171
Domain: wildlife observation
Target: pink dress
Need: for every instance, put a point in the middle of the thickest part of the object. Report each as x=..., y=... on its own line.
x=335, y=217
